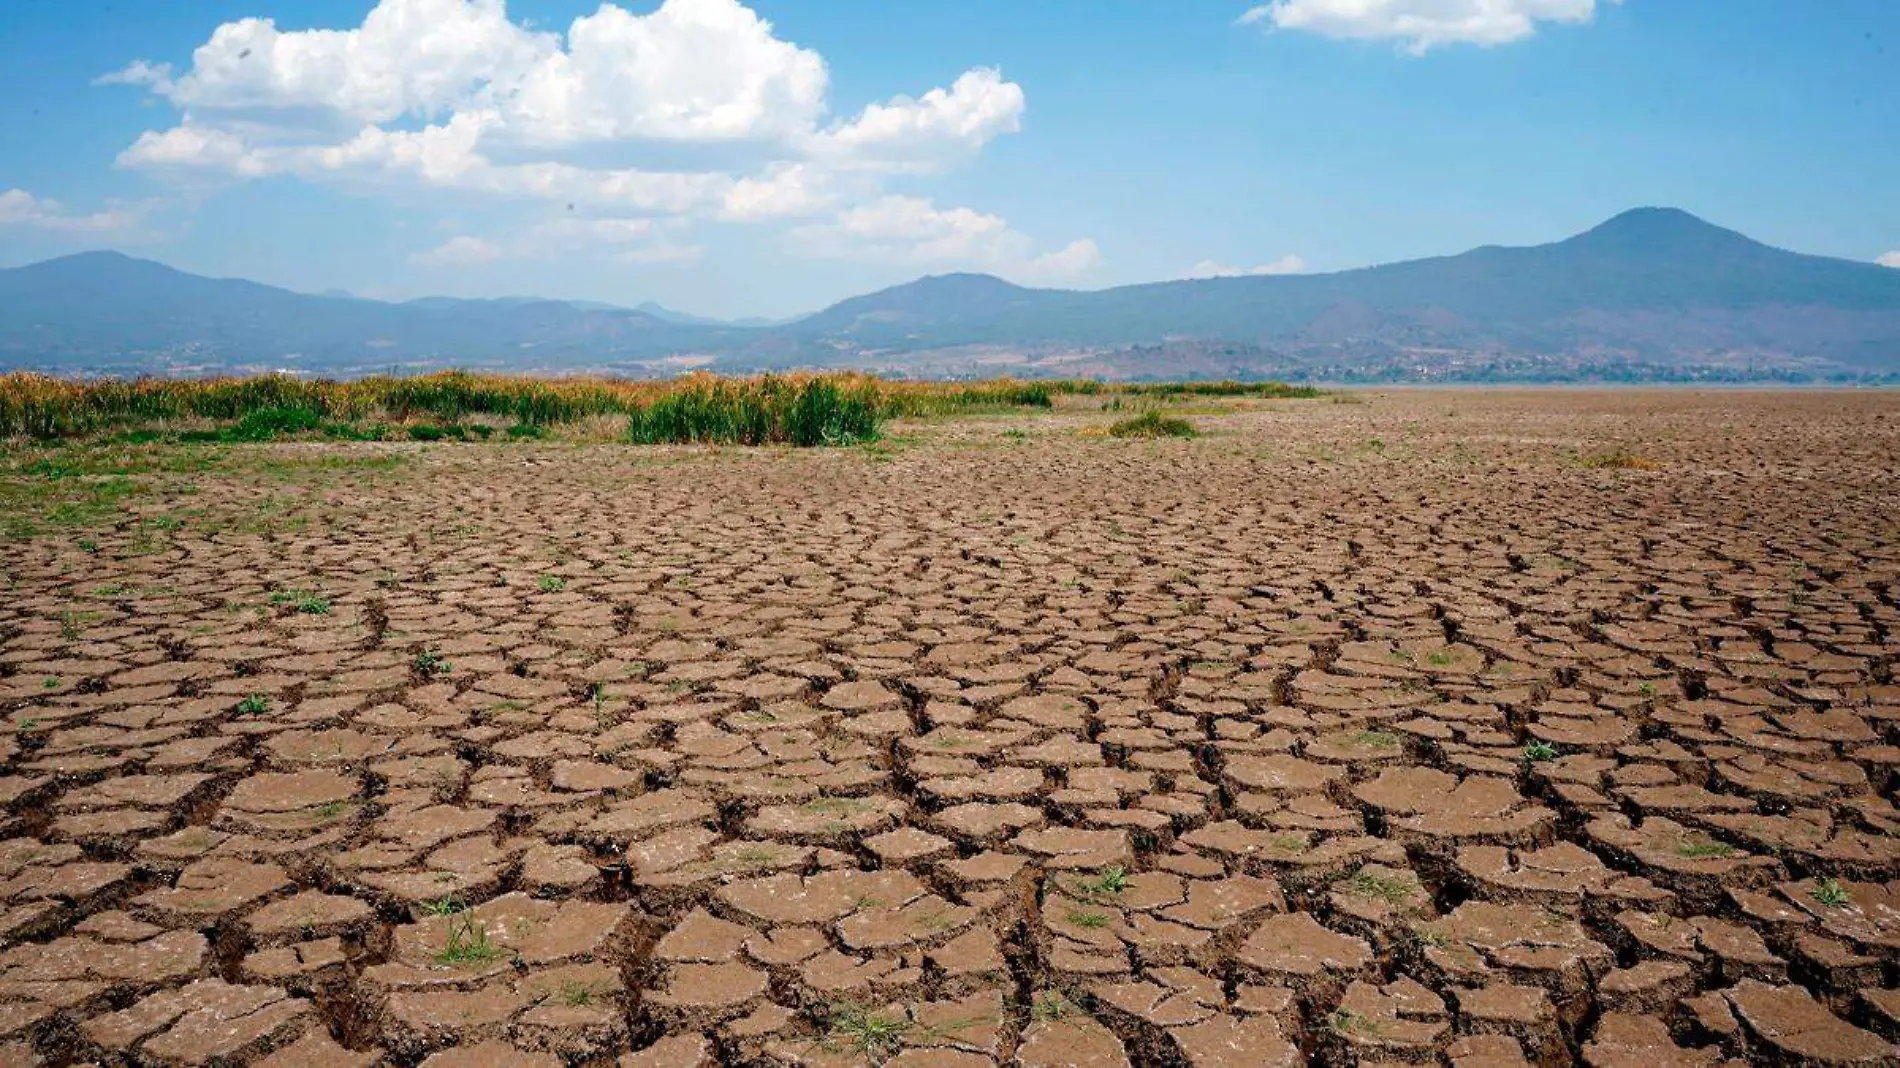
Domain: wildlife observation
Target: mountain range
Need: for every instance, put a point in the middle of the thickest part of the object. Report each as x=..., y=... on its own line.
x=1652, y=294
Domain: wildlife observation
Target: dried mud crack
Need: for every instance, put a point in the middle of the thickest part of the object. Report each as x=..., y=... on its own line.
x=1268, y=748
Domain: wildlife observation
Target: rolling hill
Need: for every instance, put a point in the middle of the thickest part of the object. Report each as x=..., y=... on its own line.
x=1653, y=292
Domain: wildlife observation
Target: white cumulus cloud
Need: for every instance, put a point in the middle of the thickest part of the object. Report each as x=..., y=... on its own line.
x=1421, y=25
x=409, y=57
x=1889, y=259
x=975, y=109
x=1287, y=264
x=457, y=96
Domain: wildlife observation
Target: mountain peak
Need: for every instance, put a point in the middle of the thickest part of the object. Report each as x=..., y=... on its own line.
x=1656, y=231
x=1651, y=216
x=104, y=259
x=965, y=281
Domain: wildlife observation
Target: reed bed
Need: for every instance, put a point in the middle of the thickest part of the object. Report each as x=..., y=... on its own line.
x=816, y=411
x=798, y=409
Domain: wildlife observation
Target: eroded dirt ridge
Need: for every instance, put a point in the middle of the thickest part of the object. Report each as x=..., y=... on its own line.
x=1362, y=732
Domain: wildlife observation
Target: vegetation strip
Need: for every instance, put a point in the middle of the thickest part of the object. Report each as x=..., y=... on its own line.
x=796, y=409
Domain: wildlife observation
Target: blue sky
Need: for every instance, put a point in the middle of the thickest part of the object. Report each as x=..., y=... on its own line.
x=767, y=158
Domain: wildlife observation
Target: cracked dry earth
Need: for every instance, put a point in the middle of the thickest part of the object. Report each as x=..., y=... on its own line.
x=1376, y=731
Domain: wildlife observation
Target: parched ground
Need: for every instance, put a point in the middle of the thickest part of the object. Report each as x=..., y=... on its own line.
x=1470, y=727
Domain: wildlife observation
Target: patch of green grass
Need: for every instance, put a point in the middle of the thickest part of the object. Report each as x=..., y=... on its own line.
x=550, y=583
x=1348, y=1022
x=51, y=682
x=1831, y=893
x=1701, y=848
x=1289, y=842
x=1051, y=1006
x=428, y=663
x=1107, y=882
x=447, y=905
x=1391, y=889
x=751, y=857
x=1376, y=740
x=115, y=458
x=1539, y=751
x=32, y=507
x=1087, y=919
x=467, y=943
x=1152, y=424
x=305, y=601
x=576, y=993
x=836, y=806
x=862, y=1032
x=253, y=705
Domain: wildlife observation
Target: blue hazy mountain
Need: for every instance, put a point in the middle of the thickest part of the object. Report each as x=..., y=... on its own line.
x=1654, y=283
x=1653, y=287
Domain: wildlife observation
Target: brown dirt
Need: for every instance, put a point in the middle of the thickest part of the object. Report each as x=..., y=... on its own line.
x=1368, y=729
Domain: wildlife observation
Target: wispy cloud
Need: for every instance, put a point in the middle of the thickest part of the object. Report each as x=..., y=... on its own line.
x=21, y=208
x=1420, y=25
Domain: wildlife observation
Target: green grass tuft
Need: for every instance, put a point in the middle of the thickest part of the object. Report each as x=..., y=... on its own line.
x=467, y=943
x=864, y=1033
x=1152, y=424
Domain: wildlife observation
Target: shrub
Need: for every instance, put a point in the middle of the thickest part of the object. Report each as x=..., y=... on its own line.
x=264, y=424
x=1152, y=424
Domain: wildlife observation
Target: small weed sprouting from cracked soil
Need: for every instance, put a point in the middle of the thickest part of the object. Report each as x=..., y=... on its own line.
x=468, y=943
x=857, y=1031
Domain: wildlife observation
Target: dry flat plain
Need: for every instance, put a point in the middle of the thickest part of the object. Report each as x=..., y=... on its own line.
x=1471, y=727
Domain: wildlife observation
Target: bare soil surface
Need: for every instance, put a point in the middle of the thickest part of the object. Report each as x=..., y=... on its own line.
x=1481, y=728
